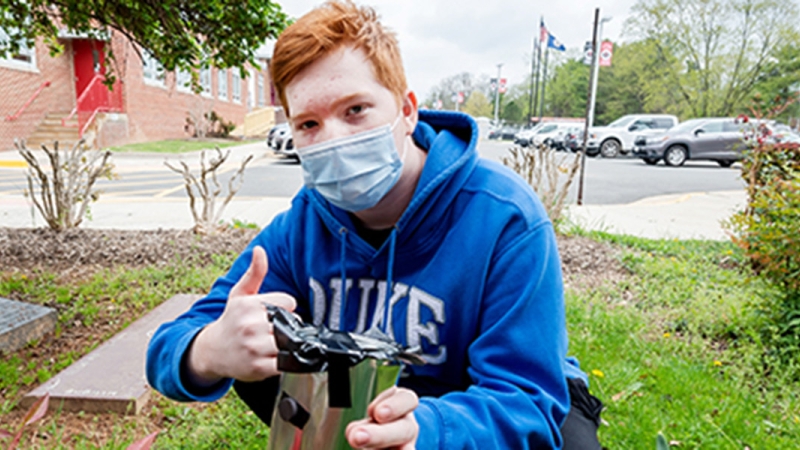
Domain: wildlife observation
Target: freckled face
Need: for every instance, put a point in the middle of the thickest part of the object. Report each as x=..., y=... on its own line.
x=339, y=96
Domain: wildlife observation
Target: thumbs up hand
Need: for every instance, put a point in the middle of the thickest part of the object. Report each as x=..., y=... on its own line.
x=240, y=344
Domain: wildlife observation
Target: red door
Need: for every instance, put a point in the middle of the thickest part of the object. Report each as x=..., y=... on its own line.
x=89, y=58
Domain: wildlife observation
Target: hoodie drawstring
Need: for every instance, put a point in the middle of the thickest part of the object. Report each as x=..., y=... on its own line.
x=389, y=280
x=343, y=290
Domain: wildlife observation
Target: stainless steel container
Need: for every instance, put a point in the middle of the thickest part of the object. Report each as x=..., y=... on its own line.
x=328, y=380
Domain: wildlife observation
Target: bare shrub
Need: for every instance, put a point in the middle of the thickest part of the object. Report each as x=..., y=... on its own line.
x=206, y=186
x=65, y=188
x=549, y=174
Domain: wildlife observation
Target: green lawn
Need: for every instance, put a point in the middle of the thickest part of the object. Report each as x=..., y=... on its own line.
x=676, y=348
x=178, y=145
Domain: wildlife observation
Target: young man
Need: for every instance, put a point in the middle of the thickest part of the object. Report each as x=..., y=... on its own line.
x=398, y=213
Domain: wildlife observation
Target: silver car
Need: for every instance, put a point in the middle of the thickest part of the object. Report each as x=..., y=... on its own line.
x=280, y=141
x=715, y=139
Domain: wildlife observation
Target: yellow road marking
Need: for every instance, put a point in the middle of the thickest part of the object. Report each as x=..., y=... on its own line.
x=14, y=164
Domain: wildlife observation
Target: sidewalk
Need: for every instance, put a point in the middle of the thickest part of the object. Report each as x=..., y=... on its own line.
x=683, y=216
x=697, y=215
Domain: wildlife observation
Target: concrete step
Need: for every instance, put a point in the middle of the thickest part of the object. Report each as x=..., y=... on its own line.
x=21, y=323
x=111, y=378
x=56, y=133
x=56, y=122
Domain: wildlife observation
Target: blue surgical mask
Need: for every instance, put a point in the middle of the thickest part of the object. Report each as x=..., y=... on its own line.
x=353, y=172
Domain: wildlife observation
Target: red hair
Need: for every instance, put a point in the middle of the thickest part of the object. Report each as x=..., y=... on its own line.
x=329, y=27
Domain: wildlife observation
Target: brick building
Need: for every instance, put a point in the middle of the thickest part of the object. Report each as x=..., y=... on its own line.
x=44, y=98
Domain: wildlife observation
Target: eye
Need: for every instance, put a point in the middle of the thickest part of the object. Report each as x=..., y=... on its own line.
x=355, y=110
x=307, y=125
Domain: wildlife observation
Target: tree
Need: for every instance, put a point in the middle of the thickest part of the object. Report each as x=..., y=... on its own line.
x=511, y=111
x=780, y=81
x=712, y=52
x=184, y=34
x=567, y=91
x=634, y=83
x=464, y=82
x=477, y=105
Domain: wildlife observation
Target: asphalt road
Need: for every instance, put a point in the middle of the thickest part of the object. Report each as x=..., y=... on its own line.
x=607, y=181
x=625, y=180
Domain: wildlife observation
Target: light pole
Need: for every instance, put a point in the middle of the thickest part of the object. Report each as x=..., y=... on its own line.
x=497, y=96
x=596, y=57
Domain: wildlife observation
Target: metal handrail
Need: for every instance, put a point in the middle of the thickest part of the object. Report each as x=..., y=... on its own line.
x=97, y=78
x=28, y=103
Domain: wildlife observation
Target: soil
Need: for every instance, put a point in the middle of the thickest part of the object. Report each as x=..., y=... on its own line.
x=78, y=253
x=84, y=251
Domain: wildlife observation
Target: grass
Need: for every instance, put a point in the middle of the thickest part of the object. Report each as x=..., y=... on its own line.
x=103, y=304
x=675, y=348
x=178, y=145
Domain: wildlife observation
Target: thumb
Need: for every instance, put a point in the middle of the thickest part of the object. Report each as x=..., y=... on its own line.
x=250, y=283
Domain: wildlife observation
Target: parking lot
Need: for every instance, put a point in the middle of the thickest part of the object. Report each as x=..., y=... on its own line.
x=624, y=180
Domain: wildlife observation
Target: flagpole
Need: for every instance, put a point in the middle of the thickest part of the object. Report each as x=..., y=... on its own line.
x=530, y=88
x=595, y=68
x=497, y=96
x=538, y=67
x=592, y=81
x=544, y=81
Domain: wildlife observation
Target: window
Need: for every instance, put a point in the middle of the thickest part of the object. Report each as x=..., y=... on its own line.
x=547, y=129
x=222, y=84
x=641, y=124
x=732, y=127
x=24, y=59
x=152, y=70
x=663, y=124
x=261, y=97
x=236, y=85
x=183, y=80
x=712, y=127
x=205, y=80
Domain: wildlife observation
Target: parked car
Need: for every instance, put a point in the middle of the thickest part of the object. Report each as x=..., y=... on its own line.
x=279, y=139
x=561, y=139
x=551, y=134
x=618, y=136
x=505, y=133
x=573, y=139
x=523, y=137
x=715, y=139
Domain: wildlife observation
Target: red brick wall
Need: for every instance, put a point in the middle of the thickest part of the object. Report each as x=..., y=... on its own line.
x=160, y=112
x=17, y=86
x=154, y=112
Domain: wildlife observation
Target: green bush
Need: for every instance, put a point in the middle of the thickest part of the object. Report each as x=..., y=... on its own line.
x=768, y=230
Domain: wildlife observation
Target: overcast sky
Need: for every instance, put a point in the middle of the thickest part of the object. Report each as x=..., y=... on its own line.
x=439, y=38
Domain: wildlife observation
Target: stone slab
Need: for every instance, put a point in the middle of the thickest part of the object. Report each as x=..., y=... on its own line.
x=22, y=322
x=111, y=378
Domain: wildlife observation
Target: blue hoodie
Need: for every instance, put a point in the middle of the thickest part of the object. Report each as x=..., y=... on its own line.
x=476, y=283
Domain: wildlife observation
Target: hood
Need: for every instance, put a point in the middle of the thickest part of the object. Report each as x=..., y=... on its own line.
x=450, y=139
x=600, y=129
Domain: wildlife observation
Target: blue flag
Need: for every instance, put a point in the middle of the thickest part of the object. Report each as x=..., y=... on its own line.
x=554, y=43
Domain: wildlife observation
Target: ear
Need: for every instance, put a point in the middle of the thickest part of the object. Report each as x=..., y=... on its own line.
x=410, y=111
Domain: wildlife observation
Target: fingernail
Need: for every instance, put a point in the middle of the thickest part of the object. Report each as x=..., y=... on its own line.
x=361, y=437
x=384, y=412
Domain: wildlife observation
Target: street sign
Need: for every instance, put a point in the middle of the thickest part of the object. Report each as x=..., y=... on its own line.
x=606, y=51
x=587, y=53
x=502, y=85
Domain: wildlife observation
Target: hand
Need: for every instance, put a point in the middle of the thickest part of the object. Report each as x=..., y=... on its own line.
x=240, y=344
x=390, y=422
